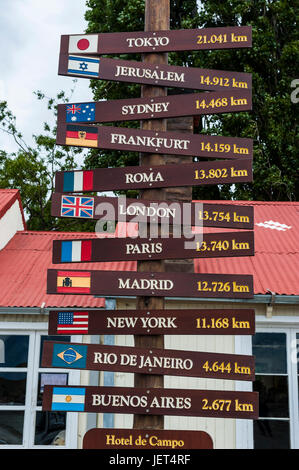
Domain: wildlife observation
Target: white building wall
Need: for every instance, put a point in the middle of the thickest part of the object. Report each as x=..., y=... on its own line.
x=10, y=223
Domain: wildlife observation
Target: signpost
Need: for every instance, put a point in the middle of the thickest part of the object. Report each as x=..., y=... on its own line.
x=152, y=74
x=160, y=176
x=217, y=102
x=152, y=401
x=148, y=361
x=146, y=439
x=211, y=245
x=153, y=322
x=158, y=212
x=157, y=41
x=149, y=284
x=149, y=141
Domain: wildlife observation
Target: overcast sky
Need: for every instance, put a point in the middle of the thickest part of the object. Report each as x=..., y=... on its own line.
x=30, y=33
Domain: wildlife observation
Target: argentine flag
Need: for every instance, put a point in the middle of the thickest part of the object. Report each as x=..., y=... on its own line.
x=84, y=66
x=68, y=399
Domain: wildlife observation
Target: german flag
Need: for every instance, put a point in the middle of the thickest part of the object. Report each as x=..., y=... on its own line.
x=73, y=282
x=82, y=136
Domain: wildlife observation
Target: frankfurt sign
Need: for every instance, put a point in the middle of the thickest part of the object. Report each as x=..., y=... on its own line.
x=160, y=176
x=153, y=322
x=151, y=401
x=210, y=245
x=157, y=41
x=157, y=439
x=187, y=104
x=153, y=74
x=160, y=212
x=139, y=140
x=148, y=361
x=155, y=284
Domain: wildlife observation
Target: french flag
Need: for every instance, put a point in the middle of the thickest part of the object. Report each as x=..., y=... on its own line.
x=78, y=181
x=75, y=251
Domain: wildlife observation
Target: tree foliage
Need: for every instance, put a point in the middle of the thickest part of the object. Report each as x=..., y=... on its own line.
x=272, y=61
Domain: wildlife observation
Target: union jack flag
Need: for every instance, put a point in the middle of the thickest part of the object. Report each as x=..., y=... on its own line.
x=73, y=109
x=77, y=206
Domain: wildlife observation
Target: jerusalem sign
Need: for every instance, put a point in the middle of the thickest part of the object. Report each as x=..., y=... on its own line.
x=160, y=176
x=157, y=41
x=148, y=361
x=106, y=283
x=152, y=74
x=140, y=140
x=152, y=322
x=151, y=401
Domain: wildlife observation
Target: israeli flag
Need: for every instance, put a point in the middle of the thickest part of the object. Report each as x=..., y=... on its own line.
x=84, y=66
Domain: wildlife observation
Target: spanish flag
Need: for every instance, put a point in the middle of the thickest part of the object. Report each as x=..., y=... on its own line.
x=82, y=136
x=73, y=282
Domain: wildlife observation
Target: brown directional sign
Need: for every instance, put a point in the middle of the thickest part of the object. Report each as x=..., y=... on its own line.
x=160, y=176
x=190, y=104
x=152, y=74
x=157, y=439
x=148, y=361
x=207, y=245
x=157, y=41
x=139, y=140
x=153, y=322
x=122, y=283
x=151, y=401
x=164, y=212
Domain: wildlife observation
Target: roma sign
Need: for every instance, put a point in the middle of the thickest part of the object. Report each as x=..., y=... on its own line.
x=152, y=74
x=160, y=176
x=148, y=361
x=146, y=439
x=157, y=41
x=139, y=140
x=211, y=245
x=149, y=284
x=153, y=322
x=160, y=212
x=187, y=104
x=151, y=401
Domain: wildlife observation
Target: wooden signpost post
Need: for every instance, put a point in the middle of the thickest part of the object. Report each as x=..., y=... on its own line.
x=225, y=91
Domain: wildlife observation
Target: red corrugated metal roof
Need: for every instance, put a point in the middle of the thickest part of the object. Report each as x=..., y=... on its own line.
x=25, y=259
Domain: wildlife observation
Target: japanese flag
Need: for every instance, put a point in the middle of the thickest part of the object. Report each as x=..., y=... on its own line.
x=88, y=43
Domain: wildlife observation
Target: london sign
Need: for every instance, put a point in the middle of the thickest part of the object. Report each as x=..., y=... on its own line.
x=160, y=212
x=152, y=322
x=140, y=140
x=209, y=245
x=152, y=74
x=148, y=361
x=187, y=104
x=160, y=176
x=157, y=41
x=151, y=401
x=120, y=283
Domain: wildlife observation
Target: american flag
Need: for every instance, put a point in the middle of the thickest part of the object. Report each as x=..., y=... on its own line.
x=77, y=206
x=75, y=323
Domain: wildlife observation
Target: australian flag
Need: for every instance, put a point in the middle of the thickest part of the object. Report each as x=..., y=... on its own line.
x=80, y=112
x=77, y=206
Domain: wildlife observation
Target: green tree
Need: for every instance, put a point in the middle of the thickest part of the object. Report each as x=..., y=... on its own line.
x=31, y=169
x=273, y=62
